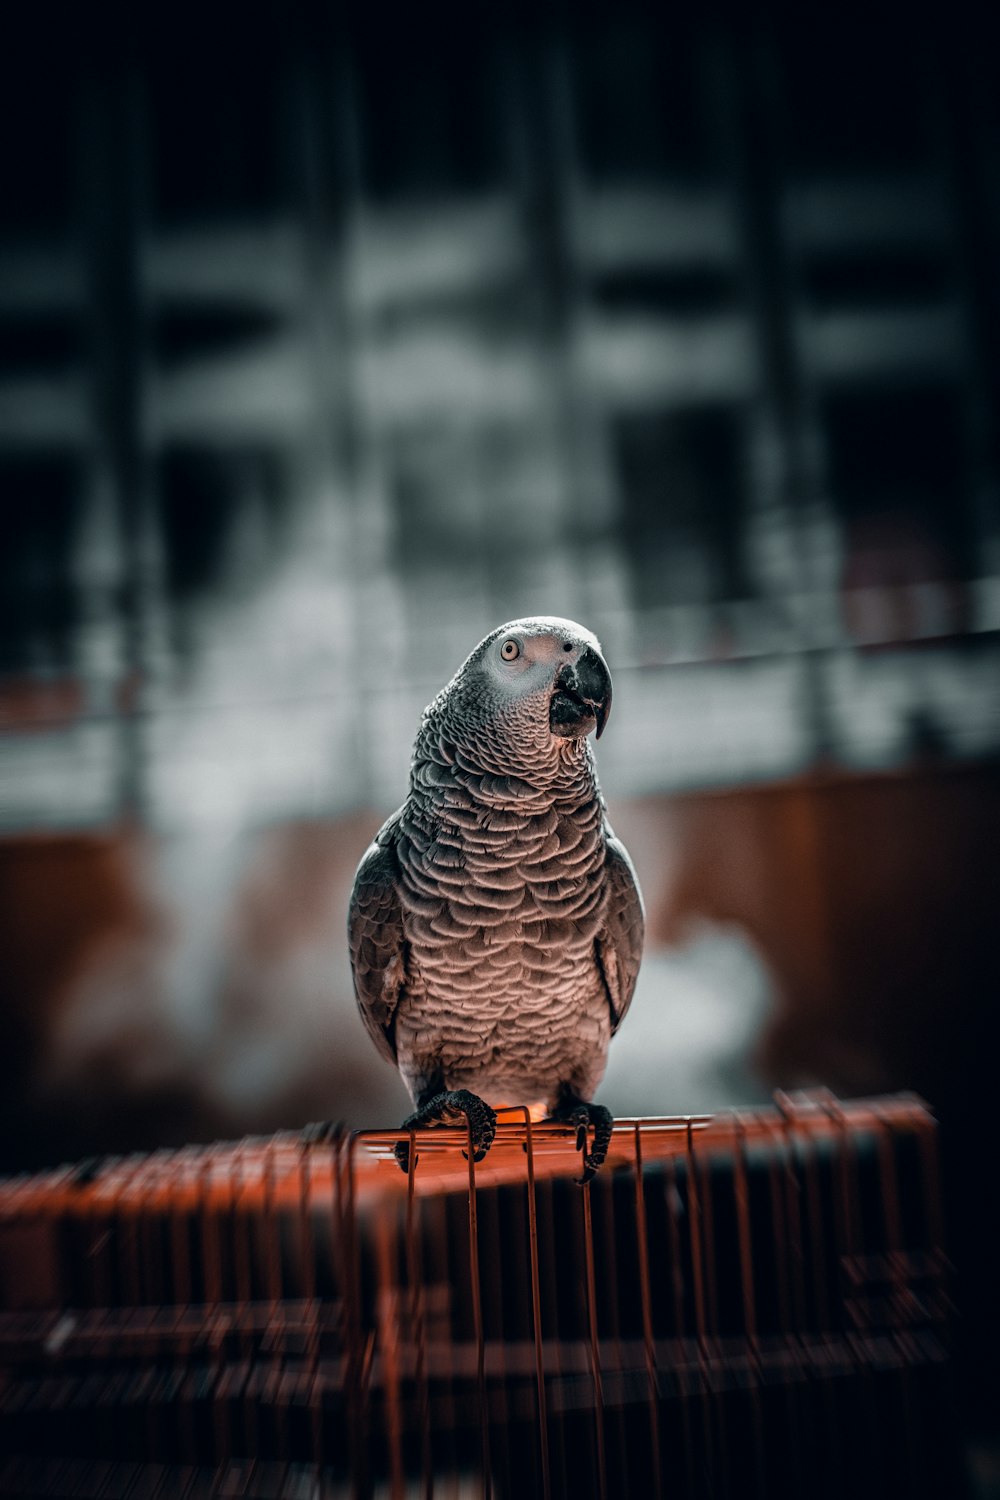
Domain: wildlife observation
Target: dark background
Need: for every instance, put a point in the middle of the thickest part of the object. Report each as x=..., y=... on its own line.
x=331, y=338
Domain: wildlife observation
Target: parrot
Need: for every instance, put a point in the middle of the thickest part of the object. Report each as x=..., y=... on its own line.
x=496, y=923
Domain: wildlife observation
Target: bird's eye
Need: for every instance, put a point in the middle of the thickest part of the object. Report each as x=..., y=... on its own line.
x=510, y=650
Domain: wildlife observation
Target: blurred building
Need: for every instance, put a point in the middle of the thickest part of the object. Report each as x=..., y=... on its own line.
x=315, y=365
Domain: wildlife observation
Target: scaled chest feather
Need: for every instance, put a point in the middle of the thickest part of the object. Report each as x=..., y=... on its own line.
x=488, y=892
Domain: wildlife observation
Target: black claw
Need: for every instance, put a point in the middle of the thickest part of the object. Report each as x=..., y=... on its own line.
x=572, y=1111
x=401, y=1151
x=482, y=1122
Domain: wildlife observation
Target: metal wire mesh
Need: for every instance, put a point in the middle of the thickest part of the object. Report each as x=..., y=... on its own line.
x=751, y=1304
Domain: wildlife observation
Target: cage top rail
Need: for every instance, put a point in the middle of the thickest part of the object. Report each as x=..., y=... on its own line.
x=272, y=1168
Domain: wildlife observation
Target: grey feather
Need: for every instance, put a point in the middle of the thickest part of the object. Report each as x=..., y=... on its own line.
x=496, y=924
x=377, y=941
x=619, y=947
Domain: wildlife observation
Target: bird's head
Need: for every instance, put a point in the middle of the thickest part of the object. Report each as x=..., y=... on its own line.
x=544, y=677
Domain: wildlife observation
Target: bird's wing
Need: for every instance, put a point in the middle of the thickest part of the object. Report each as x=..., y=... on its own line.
x=376, y=940
x=619, y=943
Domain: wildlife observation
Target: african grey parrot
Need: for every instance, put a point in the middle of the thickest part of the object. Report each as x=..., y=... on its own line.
x=496, y=924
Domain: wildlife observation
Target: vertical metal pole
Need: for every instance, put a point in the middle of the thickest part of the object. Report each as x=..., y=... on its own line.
x=418, y=1320
x=183, y=1210
x=356, y=1370
x=153, y=1295
x=536, y=1311
x=241, y=1225
x=712, y=1447
x=649, y=1348
x=312, y=1309
x=849, y=1231
x=822, y=1327
x=277, y=1324
x=681, y=1342
x=788, y=1271
x=741, y=1190
x=477, y=1318
x=212, y=1281
x=389, y=1344
x=594, y=1346
x=898, y=1303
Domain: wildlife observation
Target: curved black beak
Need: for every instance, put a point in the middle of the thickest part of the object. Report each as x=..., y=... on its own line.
x=589, y=680
x=595, y=685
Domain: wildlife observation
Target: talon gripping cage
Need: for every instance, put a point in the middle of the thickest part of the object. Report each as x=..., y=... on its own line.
x=747, y=1305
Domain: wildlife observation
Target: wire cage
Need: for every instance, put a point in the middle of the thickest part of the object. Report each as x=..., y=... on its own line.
x=751, y=1304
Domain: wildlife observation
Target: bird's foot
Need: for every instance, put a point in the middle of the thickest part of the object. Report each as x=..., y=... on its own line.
x=578, y=1113
x=450, y=1102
